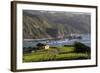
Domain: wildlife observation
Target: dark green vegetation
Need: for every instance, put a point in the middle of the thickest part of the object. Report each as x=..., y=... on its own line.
x=51, y=24
x=78, y=51
x=79, y=47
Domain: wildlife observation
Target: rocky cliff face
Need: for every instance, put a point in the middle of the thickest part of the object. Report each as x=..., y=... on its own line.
x=51, y=24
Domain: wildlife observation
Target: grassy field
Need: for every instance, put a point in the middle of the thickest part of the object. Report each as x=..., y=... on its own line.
x=55, y=54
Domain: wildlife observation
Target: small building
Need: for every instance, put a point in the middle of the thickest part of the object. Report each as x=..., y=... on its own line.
x=46, y=46
x=42, y=46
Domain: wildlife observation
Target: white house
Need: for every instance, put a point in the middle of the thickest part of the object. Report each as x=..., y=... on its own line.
x=46, y=47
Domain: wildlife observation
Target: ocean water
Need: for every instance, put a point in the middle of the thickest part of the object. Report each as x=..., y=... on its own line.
x=86, y=39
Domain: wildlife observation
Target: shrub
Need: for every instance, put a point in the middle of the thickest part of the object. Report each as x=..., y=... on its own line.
x=80, y=47
x=40, y=45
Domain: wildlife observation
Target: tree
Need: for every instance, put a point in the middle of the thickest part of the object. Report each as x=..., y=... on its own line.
x=40, y=45
x=80, y=47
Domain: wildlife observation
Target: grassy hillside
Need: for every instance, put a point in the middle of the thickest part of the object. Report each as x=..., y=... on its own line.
x=55, y=54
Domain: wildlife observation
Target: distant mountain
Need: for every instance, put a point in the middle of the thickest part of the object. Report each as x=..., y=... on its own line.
x=52, y=24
